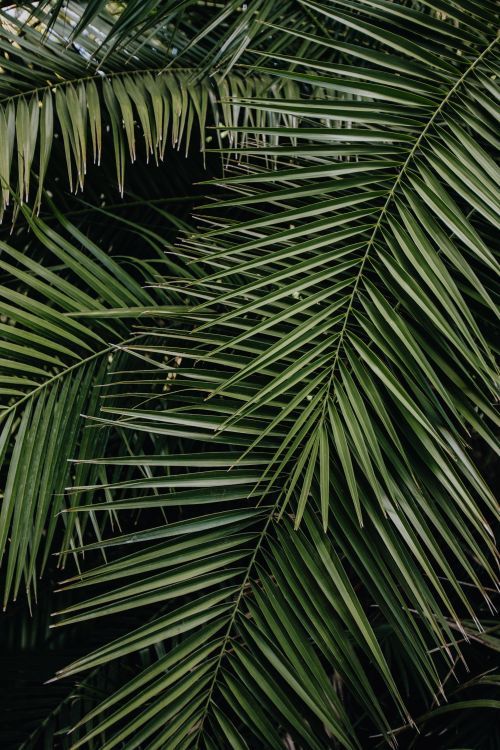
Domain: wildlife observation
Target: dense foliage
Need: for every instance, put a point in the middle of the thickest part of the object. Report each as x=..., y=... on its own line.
x=249, y=298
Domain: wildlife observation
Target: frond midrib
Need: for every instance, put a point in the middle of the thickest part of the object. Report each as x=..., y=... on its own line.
x=232, y=619
x=61, y=374
x=101, y=76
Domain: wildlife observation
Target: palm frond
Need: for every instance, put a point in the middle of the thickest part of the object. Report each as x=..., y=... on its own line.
x=49, y=92
x=51, y=363
x=388, y=335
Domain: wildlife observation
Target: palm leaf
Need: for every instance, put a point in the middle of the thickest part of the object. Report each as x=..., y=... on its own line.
x=59, y=96
x=50, y=364
x=412, y=210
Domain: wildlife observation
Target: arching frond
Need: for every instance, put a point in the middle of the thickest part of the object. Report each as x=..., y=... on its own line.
x=50, y=364
x=46, y=93
x=385, y=355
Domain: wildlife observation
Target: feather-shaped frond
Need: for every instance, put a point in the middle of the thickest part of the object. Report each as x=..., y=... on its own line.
x=48, y=92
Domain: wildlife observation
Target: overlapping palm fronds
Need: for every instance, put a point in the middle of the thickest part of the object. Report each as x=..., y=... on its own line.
x=283, y=487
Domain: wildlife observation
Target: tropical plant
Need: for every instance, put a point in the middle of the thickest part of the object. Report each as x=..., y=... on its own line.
x=248, y=424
